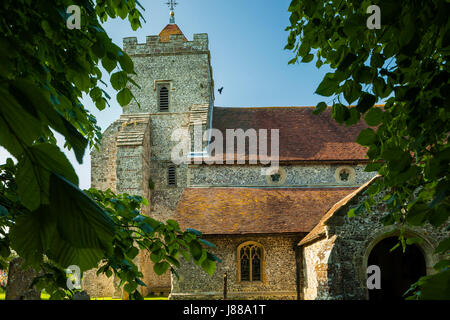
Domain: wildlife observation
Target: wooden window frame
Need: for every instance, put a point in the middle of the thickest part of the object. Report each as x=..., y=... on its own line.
x=263, y=263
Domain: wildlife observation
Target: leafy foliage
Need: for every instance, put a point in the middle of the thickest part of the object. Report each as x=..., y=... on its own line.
x=45, y=70
x=34, y=233
x=405, y=63
x=164, y=242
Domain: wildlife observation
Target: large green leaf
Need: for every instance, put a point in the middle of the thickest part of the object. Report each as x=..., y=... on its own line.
x=366, y=137
x=66, y=254
x=196, y=249
x=34, y=170
x=161, y=267
x=32, y=233
x=365, y=102
x=14, y=119
x=80, y=221
x=33, y=96
x=328, y=86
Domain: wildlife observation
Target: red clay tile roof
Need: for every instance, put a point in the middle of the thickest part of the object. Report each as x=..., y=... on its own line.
x=255, y=210
x=165, y=33
x=303, y=136
x=319, y=230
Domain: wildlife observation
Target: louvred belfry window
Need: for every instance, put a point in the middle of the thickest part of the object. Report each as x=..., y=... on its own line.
x=250, y=262
x=172, y=176
x=163, y=99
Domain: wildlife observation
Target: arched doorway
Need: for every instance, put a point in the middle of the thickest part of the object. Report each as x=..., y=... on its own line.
x=398, y=270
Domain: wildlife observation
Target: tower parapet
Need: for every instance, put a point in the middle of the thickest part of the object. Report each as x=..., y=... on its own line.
x=177, y=43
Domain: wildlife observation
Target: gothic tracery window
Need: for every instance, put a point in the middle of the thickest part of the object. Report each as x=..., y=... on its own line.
x=250, y=262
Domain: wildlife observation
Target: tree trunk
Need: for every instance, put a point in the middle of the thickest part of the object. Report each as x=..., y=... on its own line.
x=19, y=282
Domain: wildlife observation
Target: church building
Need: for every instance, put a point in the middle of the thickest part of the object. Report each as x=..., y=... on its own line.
x=280, y=235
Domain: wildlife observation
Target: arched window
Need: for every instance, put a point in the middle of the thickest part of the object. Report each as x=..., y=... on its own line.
x=250, y=264
x=163, y=98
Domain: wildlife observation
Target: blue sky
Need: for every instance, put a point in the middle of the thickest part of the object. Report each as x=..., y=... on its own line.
x=246, y=39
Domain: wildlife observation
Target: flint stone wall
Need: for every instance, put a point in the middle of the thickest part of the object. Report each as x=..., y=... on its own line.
x=296, y=175
x=335, y=267
x=280, y=271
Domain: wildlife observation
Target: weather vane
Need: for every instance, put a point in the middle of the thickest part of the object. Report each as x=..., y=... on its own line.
x=172, y=4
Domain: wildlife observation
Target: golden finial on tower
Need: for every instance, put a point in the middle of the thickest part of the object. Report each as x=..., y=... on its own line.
x=172, y=4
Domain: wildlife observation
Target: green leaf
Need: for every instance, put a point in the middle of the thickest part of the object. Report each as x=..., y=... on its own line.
x=347, y=61
x=33, y=96
x=173, y=224
x=193, y=231
x=32, y=184
x=31, y=234
x=173, y=261
x=414, y=240
x=108, y=64
x=354, y=116
x=209, y=244
x=209, y=266
x=443, y=246
x=196, y=249
x=321, y=106
x=124, y=97
x=374, y=116
x=328, y=86
x=352, y=91
x=119, y=80
x=340, y=113
x=161, y=267
x=157, y=255
x=365, y=102
x=13, y=118
x=435, y=287
x=308, y=58
x=441, y=265
x=125, y=62
x=3, y=211
x=33, y=177
x=50, y=157
x=366, y=137
x=417, y=213
x=133, y=252
x=76, y=215
x=185, y=255
x=130, y=287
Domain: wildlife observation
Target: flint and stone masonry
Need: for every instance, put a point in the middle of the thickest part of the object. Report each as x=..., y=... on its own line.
x=326, y=258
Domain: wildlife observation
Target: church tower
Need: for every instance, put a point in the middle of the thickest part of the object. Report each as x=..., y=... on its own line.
x=176, y=91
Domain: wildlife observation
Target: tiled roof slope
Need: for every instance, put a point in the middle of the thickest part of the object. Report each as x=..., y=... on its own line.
x=303, y=135
x=319, y=230
x=168, y=30
x=255, y=210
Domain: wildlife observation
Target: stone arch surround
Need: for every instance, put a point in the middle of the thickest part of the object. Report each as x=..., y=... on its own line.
x=427, y=247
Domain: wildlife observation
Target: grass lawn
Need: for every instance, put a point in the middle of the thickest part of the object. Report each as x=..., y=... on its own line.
x=146, y=298
x=45, y=296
